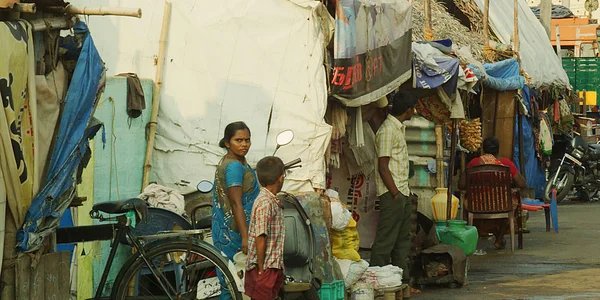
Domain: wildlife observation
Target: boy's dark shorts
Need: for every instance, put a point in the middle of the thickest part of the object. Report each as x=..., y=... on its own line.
x=265, y=286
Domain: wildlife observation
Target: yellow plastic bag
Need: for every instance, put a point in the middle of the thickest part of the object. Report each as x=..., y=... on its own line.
x=344, y=244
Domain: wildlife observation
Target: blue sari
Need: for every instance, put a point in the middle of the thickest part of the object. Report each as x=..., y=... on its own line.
x=226, y=237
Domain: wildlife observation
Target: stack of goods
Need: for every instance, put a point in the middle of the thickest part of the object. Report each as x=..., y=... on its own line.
x=382, y=277
x=470, y=134
x=345, y=241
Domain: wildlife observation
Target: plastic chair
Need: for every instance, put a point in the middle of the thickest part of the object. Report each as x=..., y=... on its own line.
x=489, y=196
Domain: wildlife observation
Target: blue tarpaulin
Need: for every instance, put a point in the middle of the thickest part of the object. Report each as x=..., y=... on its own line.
x=533, y=167
x=502, y=76
x=76, y=127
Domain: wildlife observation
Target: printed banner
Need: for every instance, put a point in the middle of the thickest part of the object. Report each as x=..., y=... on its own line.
x=359, y=193
x=372, y=49
x=16, y=134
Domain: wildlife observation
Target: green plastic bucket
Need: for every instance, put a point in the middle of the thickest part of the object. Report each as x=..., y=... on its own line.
x=459, y=234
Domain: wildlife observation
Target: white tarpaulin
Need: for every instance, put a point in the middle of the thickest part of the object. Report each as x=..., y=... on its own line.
x=258, y=61
x=538, y=58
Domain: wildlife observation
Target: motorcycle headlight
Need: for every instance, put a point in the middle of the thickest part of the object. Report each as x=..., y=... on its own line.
x=577, y=153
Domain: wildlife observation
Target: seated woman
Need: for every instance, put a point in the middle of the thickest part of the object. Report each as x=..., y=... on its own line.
x=491, y=148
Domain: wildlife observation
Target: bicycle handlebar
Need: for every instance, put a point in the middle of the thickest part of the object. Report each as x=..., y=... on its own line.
x=293, y=164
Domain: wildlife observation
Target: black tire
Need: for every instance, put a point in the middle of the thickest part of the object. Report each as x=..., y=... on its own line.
x=561, y=192
x=159, y=250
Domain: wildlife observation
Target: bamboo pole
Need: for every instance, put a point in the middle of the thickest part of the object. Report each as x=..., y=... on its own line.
x=521, y=139
x=29, y=8
x=156, y=94
x=486, y=25
x=451, y=172
x=428, y=30
x=558, y=49
x=33, y=110
x=439, y=155
x=516, y=27
x=52, y=23
x=96, y=11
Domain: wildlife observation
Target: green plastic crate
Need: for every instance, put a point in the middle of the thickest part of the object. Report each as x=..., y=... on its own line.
x=332, y=291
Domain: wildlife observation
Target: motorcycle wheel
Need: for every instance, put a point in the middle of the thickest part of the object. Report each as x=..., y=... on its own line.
x=564, y=183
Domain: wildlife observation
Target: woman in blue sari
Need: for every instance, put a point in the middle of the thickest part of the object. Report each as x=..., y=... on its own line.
x=236, y=188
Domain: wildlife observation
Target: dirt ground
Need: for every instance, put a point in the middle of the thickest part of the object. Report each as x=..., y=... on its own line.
x=565, y=265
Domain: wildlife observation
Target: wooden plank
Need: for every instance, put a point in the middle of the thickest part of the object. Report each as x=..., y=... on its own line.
x=23, y=275
x=51, y=282
x=64, y=274
x=37, y=281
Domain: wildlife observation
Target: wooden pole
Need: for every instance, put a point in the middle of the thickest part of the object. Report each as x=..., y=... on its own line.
x=96, y=11
x=29, y=8
x=558, y=49
x=486, y=23
x=51, y=23
x=521, y=139
x=428, y=30
x=156, y=94
x=516, y=27
x=439, y=155
x=546, y=15
x=584, y=102
x=451, y=172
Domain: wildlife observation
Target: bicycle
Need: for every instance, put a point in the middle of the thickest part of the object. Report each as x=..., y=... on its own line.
x=169, y=264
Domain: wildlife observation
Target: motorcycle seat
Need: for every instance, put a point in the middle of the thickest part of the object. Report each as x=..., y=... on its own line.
x=122, y=206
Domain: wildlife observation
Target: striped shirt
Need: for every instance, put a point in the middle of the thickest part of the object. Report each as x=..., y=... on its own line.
x=267, y=218
x=391, y=142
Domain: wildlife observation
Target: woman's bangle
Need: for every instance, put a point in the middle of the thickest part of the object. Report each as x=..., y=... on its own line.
x=395, y=195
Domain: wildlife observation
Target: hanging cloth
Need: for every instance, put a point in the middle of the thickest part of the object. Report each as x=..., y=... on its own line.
x=135, y=95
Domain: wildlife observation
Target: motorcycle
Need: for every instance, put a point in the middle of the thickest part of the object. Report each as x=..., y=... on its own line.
x=298, y=255
x=579, y=168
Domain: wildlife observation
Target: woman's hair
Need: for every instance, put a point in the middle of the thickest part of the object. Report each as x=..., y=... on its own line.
x=230, y=131
x=269, y=169
x=491, y=145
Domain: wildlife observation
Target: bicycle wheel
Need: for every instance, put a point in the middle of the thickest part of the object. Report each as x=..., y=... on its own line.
x=185, y=270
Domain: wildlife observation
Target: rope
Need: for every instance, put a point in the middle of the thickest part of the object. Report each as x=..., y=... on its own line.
x=113, y=153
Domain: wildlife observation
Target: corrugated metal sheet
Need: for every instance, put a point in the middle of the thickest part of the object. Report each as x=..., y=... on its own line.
x=420, y=139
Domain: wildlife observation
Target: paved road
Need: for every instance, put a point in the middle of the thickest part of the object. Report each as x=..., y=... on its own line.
x=550, y=266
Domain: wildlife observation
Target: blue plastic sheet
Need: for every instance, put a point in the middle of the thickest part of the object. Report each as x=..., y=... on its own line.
x=76, y=127
x=533, y=167
x=502, y=76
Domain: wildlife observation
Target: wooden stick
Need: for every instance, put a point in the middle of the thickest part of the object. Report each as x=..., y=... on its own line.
x=33, y=105
x=29, y=8
x=97, y=11
x=486, y=23
x=53, y=23
x=521, y=140
x=439, y=155
x=428, y=30
x=162, y=43
x=451, y=172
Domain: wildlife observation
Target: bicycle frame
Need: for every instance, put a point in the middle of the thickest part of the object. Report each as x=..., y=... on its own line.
x=78, y=234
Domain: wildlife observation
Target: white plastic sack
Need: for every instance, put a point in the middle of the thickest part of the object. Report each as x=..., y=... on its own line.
x=382, y=277
x=357, y=269
x=344, y=266
x=340, y=216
